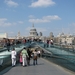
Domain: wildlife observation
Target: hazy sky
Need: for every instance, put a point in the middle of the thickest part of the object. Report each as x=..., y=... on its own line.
x=55, y=16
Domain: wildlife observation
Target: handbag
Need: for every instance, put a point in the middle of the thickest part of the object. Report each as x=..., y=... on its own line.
x=35, y=57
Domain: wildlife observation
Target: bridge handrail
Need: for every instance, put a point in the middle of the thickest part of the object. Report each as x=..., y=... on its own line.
x=67, y=57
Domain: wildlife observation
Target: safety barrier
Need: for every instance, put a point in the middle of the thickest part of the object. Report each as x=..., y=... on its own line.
x=59, y=56
x=5, y=55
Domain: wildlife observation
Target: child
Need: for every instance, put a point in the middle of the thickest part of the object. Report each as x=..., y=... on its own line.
x=20, y=58
x=35, y=57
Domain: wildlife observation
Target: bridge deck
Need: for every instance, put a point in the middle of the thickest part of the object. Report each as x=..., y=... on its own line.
x=44, y=67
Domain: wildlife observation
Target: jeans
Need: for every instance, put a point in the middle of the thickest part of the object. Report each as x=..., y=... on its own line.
x=34, y=61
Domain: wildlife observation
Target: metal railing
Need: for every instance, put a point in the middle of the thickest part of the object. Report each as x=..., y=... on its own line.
x=57, y=55
x=70, y=65
x=60, y=56
x=5, y=55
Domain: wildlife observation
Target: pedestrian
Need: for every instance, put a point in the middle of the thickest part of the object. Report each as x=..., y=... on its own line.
x=42, y=52
x=28, y=58
x=13, y=57
x=20, y=58
x=39, y=53
x=8, y=45
x=35, y=53
x=24, y=57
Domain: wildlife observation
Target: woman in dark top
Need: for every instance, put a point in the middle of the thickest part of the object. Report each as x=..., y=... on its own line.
x=29, y=56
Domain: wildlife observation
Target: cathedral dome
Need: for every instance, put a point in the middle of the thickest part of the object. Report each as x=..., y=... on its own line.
x=33, y=31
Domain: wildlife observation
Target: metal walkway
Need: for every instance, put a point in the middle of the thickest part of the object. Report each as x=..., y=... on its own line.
x=44, y=67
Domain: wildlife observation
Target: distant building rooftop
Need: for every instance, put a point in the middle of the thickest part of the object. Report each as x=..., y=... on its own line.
x=3, y=35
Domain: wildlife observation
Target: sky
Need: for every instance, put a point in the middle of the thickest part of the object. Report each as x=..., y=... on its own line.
x=55, y=16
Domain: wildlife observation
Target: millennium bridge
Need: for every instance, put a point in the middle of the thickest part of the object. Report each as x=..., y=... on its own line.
x=54, y=60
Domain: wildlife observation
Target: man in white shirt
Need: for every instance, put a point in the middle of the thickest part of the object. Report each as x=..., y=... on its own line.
x=13, y=57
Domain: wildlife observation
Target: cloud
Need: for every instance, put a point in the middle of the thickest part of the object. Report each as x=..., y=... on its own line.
x=73, y=24
x=20, y=22
x=2, y=19
x=45, y=19
x=41, y=29
x=31, y=16
x=28, y=28
x=11, y=3
x=4, y=23
x=42, y=3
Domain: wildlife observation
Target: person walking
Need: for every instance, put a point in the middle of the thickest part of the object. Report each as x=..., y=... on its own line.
x=28, y=58
x=39, y=53
x=35, y=53
x=8, y=45
x=13, y=57
x=24, y=56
